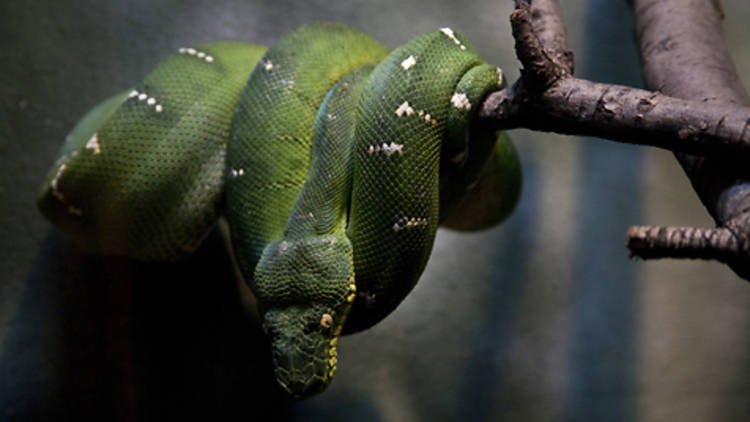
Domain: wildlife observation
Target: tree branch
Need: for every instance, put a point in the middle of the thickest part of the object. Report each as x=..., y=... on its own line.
x=541, y=43
x=574, y=106
x=685, y=242
x=683, y=54
x=547, y=97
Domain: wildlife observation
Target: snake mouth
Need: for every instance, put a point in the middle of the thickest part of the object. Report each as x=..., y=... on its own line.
x=303, y=348
x=301, y=370
x=299, y=387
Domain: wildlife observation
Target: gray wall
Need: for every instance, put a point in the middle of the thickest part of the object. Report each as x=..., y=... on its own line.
x=542, y=318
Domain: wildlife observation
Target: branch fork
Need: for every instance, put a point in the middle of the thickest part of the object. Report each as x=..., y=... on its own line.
x=719, y=132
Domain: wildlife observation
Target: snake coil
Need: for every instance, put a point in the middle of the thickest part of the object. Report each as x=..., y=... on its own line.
x=333, y=160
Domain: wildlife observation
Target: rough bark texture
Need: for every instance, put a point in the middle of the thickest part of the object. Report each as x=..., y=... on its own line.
x=578, y=107
x=686, y=242
x=699, y=107
x=541, y=43
x=684, y=55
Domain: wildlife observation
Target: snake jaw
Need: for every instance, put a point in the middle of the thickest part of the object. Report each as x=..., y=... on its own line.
x=304, y=347
x=305, y=288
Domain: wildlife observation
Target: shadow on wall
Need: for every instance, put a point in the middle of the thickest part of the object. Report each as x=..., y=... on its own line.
x=107, y=339
x=488, y=387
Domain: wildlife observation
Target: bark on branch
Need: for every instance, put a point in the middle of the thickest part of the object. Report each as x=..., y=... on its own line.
x=579, y=107
x=541, y=43
x=714, y=124
x=574, y=106
x=684, y=55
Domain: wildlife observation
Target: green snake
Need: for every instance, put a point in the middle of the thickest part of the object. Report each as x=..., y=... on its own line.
x=333, y=160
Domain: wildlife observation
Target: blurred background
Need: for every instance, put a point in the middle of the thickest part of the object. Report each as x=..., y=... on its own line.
x=543, y=318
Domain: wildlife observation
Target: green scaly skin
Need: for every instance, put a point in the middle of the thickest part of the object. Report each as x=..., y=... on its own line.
x=336, y=161
x=423, y=94
x=140, y=176
x=305, y=282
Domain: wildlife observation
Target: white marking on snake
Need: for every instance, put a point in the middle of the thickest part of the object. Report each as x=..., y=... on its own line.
x=200, y=54
x=404, y=108
x=409, y=62
x=387, y=149
x=460, y=101
x=142, y=96
x=450, y=34
x=390, y=149
x=93, y=143
x=54, y=184
x=409, y=223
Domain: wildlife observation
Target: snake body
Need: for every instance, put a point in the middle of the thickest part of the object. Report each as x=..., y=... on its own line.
x=333, y=160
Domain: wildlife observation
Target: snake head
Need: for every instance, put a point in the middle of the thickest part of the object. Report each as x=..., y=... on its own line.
x=305, y=288
x=303, y=346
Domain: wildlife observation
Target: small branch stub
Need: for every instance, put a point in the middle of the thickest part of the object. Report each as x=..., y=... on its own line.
x=541, y=43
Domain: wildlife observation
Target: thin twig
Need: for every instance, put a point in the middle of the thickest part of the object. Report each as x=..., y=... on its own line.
x=650, y=242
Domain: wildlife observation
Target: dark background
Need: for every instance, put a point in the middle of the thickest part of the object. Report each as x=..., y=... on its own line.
x=542, y=318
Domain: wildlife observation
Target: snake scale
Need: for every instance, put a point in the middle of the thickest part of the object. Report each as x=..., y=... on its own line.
x=333, y=160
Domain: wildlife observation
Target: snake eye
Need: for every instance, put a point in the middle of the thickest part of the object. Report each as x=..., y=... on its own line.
x=326, y=321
